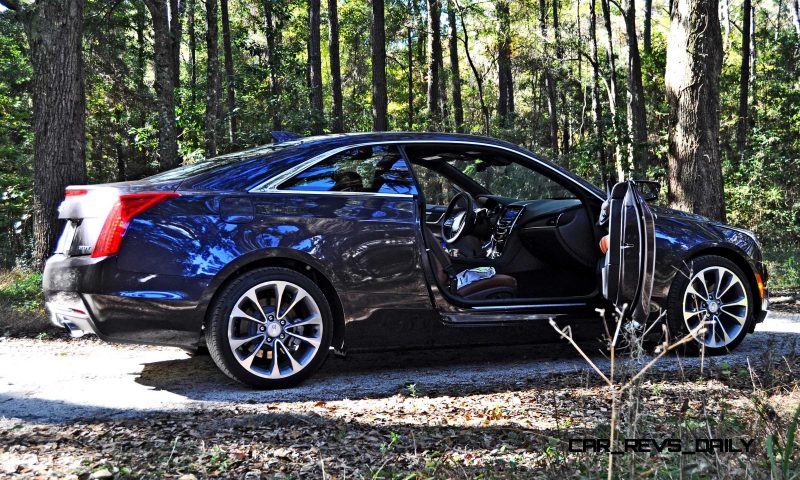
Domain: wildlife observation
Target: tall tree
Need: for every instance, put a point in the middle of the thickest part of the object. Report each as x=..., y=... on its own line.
x=54, y=29
x=475, y=73
x=647, y=33
x=380, y=122
x=637, y=121
x=229, y=76
x=336, y=69
x=694, y=62
x=550, y=86
x=434, y=64
x=192, y=52
x=743, y=120
x=315, y=66
x=613, y=84
x=410, y=79
x=176, y=8
x=505, y=94
x=164, y=84
x=794, y=6
x=562, y=92
x=455, y=70
x=597, y=106
x=213, y=105
x=272, y=28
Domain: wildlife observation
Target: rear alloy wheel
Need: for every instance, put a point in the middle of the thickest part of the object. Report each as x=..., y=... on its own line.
x=270, y=328
x=715, y=294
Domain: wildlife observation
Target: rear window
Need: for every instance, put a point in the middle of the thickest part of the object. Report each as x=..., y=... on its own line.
x=203, y=166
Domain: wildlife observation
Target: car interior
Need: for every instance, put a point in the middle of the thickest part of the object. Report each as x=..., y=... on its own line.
x=483, y=209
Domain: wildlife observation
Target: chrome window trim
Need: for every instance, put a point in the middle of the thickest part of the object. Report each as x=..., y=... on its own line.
x=271, y=185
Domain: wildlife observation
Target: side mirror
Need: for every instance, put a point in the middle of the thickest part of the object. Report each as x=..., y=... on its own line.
x=648, y=189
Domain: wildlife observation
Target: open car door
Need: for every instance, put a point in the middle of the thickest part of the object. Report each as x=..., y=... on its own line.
x=627, y=274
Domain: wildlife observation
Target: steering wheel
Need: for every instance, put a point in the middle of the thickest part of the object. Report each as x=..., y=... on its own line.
x=459, y=218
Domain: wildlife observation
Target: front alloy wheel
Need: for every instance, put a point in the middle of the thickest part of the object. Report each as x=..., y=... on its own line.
x=713, y=293
x=270, y=328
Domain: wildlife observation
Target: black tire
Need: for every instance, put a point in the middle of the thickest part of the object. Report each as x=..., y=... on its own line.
x=219, y=318
x=675, y=309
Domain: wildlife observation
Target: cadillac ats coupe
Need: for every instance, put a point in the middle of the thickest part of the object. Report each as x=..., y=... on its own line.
x=274, y=256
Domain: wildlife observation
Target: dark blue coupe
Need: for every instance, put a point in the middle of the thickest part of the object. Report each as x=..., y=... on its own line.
x=273, y=256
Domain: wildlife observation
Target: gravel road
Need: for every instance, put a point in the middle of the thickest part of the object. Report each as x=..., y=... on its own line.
x=64, y=380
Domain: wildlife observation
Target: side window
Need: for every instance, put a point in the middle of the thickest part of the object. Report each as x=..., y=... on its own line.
x=372, y=169
x=437, y=188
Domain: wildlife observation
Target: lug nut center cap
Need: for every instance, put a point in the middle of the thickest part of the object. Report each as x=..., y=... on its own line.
x=274, y=329
x=713, y=307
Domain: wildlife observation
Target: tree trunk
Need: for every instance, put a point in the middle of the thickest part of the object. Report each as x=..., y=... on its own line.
x=505, y=96
x=612, y=86
x=271, y=28
x=694, y=62
x=455, y=70
x=549, y=84
x=597, y=106
x=315, y=64
x=175, y=9
x=410, y=81
x=336, y=69
x=637, y=120
x=164, y=85
x=378, y=41
x=562, y=92
x=213, y=105
x=647, y=34
x=794, y=5
x=434, y=64
x=55, y=34
x=229, y=77
x=192, y=52
x=743, y=123
x=476, y=74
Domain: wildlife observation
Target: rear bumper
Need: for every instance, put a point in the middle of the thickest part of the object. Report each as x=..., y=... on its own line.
x=92, y=296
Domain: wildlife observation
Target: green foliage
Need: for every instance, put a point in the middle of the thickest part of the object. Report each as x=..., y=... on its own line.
x=122, y=126
x=781, y=454
x=21, y=291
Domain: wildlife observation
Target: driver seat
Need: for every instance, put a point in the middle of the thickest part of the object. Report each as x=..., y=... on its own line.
x=498, y=286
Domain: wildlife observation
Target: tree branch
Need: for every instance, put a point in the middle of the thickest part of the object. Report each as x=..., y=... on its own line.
x=10, y=4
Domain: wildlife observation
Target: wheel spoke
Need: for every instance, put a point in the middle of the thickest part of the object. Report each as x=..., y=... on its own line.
x=725, y=335
x=742, y=302
x=704, y=282
x=738, y=318
x=280, y=288
x=275, y=371
x=300, y=296
x=313, y=319
x=310, y=340
x=239, y=313
x=247, y=362
x=251, y=295
x=731, y=283
x=295, y=366
x=688, y=315
x=694, y=292
x=238, y=342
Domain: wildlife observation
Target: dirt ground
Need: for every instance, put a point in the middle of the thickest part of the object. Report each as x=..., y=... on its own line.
x=86, y=409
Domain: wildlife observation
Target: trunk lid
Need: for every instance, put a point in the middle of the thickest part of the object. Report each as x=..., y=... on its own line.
x=86, y=207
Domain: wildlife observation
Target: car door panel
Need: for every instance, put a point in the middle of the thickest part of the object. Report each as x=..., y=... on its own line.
x=630, y=261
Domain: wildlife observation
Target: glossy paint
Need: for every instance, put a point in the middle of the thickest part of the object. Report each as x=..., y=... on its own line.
x=367, y=250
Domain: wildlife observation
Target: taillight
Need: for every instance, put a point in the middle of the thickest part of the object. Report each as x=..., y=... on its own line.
x=127, y=207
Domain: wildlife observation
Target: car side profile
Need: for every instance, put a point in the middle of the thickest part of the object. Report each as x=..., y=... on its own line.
x=274, y=256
